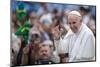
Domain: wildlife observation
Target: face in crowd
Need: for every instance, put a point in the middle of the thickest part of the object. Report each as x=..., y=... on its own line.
x=45, y=50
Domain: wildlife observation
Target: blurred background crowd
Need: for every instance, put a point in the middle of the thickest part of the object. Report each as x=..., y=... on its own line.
x=37, y=28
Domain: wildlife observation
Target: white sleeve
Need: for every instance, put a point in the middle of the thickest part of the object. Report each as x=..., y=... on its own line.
x=88, y=51
x=63, y=46
x=55, y=58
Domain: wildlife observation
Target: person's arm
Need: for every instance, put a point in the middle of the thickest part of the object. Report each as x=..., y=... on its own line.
x=63, y=50
x=24, y=59
x=89, y=49
x=25, y=56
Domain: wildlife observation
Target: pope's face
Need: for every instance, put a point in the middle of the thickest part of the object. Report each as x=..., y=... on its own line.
x=74, y=22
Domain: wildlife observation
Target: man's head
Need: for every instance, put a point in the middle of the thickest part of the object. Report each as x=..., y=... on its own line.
x=74, y=20
x=35, y=36
x=45, y=50
x=33, y=17
x=84, y=10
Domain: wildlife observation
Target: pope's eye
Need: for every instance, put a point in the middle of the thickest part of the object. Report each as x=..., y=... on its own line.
x=74, y=22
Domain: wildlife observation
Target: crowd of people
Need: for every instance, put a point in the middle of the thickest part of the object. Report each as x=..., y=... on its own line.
x=43, y=33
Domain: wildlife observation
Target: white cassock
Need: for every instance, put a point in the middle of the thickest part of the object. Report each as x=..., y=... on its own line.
x=80, y=45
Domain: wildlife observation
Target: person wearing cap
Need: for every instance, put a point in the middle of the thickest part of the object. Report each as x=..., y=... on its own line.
x=23, y=24
x=23, y=28
x=80, y=42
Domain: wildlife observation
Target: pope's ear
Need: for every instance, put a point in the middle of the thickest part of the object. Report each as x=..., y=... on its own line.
x=81, y=19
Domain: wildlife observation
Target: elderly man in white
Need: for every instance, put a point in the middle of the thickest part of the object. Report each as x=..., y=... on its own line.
x=79, y=42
